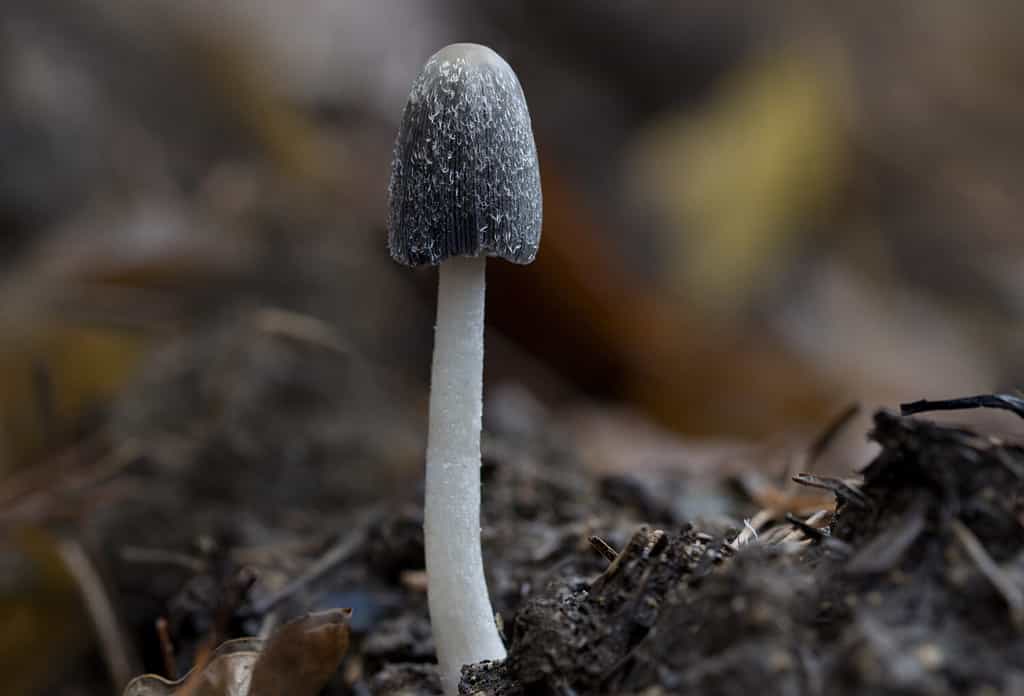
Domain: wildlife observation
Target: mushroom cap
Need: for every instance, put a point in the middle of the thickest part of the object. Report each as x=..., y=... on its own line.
x=464, y=177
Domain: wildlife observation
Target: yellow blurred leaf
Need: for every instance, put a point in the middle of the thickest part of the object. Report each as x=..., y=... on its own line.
x=49, y=379
x=737, y=179
x=44, y=620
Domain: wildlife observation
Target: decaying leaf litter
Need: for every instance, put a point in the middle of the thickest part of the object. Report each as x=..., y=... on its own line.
x=905, y=577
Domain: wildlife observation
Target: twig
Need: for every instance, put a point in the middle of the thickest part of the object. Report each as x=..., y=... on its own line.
x=820, y=444
x=806, y=527
x=167, y=649
x=750, y=529
x=828, y=436
x=195, y=675
x=101, y=611
x=838, y=486
x=266, y=554
x=1013, y=594
x=886, y=549
x=1009, y=464
x=34, y=495
x=603, y=548
x=299, y=327
x=62, y=467
x=339, y=552
x=1006, y=402
x=775, y=535
x=137, y=554
x=269, y=623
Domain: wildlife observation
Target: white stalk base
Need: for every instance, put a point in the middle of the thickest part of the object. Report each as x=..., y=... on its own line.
x=460, y=609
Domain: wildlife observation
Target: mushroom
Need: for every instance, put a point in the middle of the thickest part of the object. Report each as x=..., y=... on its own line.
x=465, y=185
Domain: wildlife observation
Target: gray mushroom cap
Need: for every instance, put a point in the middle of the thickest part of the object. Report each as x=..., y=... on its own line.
x=464, y=177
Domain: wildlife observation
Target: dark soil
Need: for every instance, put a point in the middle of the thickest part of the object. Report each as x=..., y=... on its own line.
x=915, y=588
x=259, y=487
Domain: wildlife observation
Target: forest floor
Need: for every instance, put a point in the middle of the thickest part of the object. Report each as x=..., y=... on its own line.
x=234, y=489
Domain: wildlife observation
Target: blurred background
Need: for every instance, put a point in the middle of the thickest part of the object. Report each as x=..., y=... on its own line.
x=752, y=214
x=755, y=213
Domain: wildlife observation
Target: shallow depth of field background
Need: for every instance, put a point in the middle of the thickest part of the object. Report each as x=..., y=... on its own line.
x=751, y=214
x=755, y=214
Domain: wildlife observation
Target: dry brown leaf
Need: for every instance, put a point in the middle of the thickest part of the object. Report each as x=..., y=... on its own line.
x=297, y=660
x=302, y=655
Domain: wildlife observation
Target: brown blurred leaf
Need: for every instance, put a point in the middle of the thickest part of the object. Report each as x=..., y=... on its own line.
x=302, y=655
x=691, y=372
x=297, y=660
x=228, y=673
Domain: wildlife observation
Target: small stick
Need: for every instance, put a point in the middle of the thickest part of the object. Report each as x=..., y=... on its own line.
x=137, y=554
x=339, y=552
x=299, y=327
x=603, y=548
x=886, y=550
x=750, y=530
x=806, y=527
x=828, y=436
x=167, y=649
x=195, y=676
x=113, y=647
x=837, y=486
x=1006, y=402
x=1011, y=593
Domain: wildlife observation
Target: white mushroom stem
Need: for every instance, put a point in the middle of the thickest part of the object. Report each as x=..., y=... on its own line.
x=460, y=608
